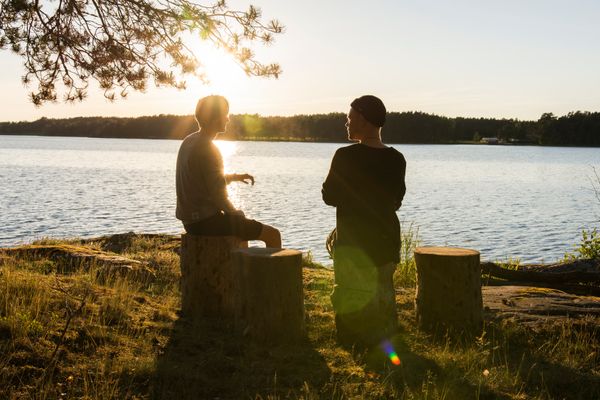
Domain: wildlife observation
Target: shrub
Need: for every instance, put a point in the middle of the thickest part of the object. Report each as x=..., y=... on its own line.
x=590, y=245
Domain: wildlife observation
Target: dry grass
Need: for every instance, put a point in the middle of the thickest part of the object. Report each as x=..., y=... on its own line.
x=77, y=336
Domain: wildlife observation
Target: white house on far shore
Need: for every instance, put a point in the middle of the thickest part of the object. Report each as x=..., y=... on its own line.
x=489, y=140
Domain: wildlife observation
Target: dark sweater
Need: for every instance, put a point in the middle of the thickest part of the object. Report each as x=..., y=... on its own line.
x=366, y=185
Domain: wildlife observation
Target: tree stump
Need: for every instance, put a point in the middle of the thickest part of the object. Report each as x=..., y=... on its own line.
x=206, y=276
x=449, y=290
x=270, y=294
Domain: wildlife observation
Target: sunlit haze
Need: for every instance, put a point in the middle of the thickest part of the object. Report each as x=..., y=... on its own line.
x=510, y=59
x=227, y=149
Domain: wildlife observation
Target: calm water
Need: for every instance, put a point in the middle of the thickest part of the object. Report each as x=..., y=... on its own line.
x=522, y=202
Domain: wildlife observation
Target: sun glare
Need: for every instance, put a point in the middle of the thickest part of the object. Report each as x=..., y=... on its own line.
x=227, y=150
x=225, y=76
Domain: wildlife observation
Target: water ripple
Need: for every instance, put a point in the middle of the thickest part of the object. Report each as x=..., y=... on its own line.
x=529, y=203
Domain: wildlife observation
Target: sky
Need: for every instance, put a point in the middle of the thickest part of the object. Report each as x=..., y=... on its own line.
x=502, y=59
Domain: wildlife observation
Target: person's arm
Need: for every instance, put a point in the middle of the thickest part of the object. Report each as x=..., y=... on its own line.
x=332, y=187
x=401, y=187
x=245, y=178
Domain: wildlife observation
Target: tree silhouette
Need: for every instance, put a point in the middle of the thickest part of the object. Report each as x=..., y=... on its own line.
x=579, y=128
x=124, y=43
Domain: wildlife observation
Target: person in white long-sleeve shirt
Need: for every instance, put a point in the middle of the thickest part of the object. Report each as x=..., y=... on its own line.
x=202, y=202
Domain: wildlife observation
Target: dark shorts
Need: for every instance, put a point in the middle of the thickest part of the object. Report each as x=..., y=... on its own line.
x=226, y=225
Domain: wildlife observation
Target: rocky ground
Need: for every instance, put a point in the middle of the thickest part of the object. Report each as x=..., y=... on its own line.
x=534, y=305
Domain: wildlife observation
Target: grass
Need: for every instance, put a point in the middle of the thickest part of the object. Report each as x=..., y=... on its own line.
x=76, y=336
x=406, y=273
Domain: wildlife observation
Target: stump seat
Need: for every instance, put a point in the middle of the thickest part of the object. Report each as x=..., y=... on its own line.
x=260, y=289
x=207, y=280
x=448, y=293
x=269, y=294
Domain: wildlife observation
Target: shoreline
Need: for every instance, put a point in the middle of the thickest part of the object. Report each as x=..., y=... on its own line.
x=295, y=140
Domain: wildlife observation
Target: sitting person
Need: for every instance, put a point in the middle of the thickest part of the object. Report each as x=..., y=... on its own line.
x=202, y=202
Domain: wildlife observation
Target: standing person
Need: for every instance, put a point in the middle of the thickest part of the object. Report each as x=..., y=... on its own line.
x=366, y=185
x=202, y=202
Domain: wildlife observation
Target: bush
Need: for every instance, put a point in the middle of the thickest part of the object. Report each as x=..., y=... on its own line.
x=590, y=245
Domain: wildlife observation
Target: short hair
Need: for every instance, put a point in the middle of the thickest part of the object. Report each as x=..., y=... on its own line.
x=372, y=108
x=209, y=108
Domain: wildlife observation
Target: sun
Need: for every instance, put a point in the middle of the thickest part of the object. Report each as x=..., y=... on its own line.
x=225, y=76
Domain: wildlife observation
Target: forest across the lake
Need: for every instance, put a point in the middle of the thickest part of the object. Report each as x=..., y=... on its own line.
x=574, y=129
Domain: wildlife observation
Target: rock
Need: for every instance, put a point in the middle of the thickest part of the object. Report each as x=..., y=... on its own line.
x=118, y=243
x=535, y=306
x=69, y=259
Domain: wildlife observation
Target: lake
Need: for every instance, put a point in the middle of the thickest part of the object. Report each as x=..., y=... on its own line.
x=527, y=202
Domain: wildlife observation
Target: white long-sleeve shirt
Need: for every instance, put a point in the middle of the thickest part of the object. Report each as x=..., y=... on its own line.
x=200, y=180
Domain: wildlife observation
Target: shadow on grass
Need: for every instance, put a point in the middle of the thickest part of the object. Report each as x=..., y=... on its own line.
x=546, y=363
x=510, y=361
x=205, y=359
x=521, y=362
x=419, y=376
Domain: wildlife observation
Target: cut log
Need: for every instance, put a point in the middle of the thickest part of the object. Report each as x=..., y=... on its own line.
x=572, y=288
x=538, y=276
x=206, y=276
x=572, y=265
x=270, y=294
x=448, y=290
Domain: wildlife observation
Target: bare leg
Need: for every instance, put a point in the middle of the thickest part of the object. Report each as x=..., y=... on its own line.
x=270, y=236
x=243, y=245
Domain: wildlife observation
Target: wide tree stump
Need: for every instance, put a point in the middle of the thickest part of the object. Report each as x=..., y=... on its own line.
x=206, y=276
x=270, y=294
x=449, y=290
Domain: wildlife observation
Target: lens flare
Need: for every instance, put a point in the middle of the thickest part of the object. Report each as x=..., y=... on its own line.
x=387, y=347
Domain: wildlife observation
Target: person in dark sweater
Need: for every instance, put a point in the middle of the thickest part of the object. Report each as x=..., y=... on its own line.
x=202, y=202
x=366, y=184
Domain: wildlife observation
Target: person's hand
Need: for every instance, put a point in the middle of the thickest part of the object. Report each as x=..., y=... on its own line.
x=246, y=178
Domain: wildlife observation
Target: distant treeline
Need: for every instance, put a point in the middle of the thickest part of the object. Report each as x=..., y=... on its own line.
x=574, y=129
